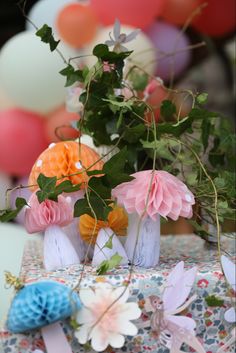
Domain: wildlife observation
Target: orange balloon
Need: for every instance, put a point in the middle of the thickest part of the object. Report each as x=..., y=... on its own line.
x=89, y=227
x=76, y=24
x=68, y=159
x=178, y=11
x=58, y=124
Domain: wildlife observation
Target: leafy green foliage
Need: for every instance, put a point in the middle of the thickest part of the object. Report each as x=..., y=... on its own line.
x=72, y=75
x=139, y=80
x=46, y=35
x=9, y=214
x=168, y=109
x=212, y=300
x=114, y=114
x=202, y=98
x=108, y=265
x=49, y=190
x=97, y=202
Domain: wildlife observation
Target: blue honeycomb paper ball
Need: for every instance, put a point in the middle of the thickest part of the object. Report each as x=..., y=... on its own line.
x=40, y=304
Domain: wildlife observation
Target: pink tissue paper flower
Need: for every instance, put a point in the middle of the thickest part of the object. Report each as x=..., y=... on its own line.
x=168, y=196
x=39, y=216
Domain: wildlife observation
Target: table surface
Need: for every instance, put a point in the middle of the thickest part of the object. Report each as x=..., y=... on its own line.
x=211, y=328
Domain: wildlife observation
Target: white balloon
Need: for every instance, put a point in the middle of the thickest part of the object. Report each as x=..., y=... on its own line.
x=46, y=11
x=5, y=183
x=29, y=72
x=143, y=50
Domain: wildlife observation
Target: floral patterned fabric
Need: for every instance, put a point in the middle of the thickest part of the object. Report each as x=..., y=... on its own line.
x=212, y=329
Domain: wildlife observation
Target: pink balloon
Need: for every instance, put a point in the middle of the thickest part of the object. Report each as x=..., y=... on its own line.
x=22, y=139
x=137, y=13
x=25, y=193
x=167, y=40
x=61, y=119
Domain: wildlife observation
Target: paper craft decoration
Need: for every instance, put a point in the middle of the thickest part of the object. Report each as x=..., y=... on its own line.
x=174, y=330
x=42, y=305
x=100, y=233
x=105, y=316
x=66, y=158
x=49, y=216
x=229, y=269
x=102, y=251
x=148, y=196
x=72, y=231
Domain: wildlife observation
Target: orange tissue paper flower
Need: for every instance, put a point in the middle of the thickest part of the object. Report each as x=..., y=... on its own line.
x=66, y=158
x=89, y=227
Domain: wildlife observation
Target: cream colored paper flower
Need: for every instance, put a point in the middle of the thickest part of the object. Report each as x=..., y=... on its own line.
x=103, y=323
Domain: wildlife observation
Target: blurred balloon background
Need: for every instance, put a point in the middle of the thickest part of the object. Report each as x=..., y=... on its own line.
x=32, y=92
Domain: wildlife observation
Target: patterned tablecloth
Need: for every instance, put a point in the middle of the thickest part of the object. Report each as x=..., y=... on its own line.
x=212, y=329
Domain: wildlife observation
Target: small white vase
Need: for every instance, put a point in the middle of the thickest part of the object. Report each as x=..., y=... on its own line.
x=58, y=250
x=143, y=241
x=102, y=253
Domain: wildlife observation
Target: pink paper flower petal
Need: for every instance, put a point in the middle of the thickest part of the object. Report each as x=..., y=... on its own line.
x=39, y=216
x=168, y=197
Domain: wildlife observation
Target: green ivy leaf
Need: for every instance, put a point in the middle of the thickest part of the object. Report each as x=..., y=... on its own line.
x=103, y=268
x=81, y=207
x=175, y=129
x=139, y=80
x=100, y=50
x=46, y=35
x=114, y=169
x=108, y=265
x=42, y=195
x=46, y=184
x=133, y=134
x=101, y=186
x=98, y=207
x=49, y=190
x=74, y=324
x=212, y=300
x=8, y=215
x=202, y=98
x=168, y=109
x=67, y=187
x=205, y=127
x=72, y=75
x=109, y=243
x=197, y=113
x=162, y=147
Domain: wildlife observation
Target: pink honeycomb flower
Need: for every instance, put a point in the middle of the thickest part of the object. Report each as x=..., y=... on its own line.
x=148, y=196
x=168, y=196
x=49, y=216
x=40, y=216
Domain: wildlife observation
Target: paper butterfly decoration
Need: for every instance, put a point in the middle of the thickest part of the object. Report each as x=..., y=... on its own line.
x=172, y=330
x=229, y=269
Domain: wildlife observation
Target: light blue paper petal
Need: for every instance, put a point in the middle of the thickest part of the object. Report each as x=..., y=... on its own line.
x=40, y=304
